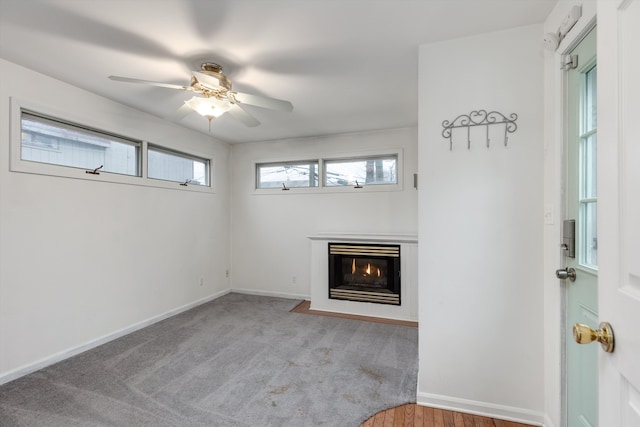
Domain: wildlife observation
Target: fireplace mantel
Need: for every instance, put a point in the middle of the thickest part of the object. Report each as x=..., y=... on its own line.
x=369, y=237
x=320, y=300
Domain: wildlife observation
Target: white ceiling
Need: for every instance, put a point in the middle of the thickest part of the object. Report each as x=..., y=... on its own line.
x=346, y=65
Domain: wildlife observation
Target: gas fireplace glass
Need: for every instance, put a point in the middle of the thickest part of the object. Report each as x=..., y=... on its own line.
x=364, y=272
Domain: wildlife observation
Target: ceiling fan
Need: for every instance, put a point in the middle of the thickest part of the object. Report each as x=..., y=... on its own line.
x=215, y=96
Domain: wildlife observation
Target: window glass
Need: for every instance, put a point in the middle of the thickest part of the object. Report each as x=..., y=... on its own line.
x=361, y=171
x=179, y=167
x=589, y=237
x=588, y=200
x=287, y=175
x=53, y=141
x=590, y=118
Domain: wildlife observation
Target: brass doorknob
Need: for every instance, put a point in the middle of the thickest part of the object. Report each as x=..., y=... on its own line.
x=604, y=335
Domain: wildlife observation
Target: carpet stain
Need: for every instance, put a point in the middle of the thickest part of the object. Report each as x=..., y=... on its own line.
x=294, y=363
x=371, y=373
x=280, y=390
x=350, y=398
x=326, y=352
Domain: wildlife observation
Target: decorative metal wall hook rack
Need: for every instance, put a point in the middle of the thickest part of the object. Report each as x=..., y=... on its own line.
x=480, y=118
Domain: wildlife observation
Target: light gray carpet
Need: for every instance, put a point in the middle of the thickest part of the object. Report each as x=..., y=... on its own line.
x=240, y=360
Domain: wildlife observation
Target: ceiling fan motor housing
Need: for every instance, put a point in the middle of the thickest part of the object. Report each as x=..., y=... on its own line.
x=214, y=70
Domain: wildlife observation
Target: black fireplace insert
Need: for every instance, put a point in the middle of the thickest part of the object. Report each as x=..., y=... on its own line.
x=364, y=272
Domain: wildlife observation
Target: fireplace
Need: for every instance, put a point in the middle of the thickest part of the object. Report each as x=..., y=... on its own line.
x=364, y=272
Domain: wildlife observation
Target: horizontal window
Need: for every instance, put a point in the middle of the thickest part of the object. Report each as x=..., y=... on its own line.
x=179, y=167
x=53, y=141
x=377, y=171
x=287, y=175
x=44, y=142
x=361, y=171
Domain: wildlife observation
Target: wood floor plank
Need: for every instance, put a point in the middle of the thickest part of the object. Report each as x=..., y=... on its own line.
x=389, y=418
x=468, y=420
x=398, y=417
x=488, y=422
x=458, y=419
x=419, y=416
x=448, y=419
x=410, y=415
x=428, y=417
x=379, y=419
x=368, y=423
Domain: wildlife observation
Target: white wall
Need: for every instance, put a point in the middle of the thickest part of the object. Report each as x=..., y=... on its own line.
x=480, y=229
x=83, y=261
x=554, y=290
x=270, y=231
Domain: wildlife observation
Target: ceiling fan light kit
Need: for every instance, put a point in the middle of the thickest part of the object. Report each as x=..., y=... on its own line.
x=216, y=96
x=208, y=107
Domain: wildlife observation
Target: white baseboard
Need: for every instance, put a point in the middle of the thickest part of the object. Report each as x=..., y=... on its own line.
x=65, y=354
x=501, y=412
x=270, y=294
x=548, y=422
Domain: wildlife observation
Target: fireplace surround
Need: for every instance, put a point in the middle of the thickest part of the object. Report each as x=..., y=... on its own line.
x=408, y=265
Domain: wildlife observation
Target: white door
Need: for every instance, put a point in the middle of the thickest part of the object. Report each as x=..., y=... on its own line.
x=619, y=208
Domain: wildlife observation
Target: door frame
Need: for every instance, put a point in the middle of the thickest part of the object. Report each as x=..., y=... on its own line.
x=555, y=117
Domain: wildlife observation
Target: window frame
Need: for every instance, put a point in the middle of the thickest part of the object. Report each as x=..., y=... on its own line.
x=258, y=165
x=359, y=159
x=65, y=124
x=17, y=164
x=176, y=153
x=322, y=188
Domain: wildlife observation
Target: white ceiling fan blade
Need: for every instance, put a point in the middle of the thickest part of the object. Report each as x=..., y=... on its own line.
x=243, y=116
x=180, y=113
x=149, y=82
x=207, y=80
x=263, y=101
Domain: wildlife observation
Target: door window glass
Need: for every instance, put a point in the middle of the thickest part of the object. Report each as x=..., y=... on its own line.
x=588, y=249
